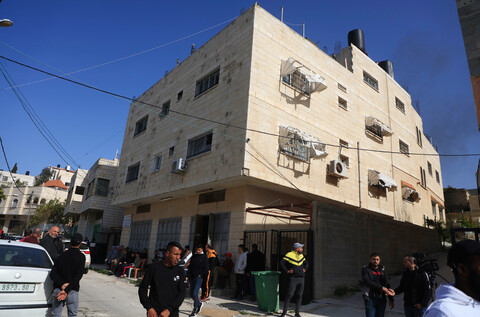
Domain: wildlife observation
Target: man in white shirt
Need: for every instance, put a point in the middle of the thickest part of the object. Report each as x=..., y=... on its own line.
x=463, y=297
x=240, y=272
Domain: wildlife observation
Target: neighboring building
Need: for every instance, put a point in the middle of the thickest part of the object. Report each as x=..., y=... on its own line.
x=19, y=206
x=196, y=181
x=98, y=220
x=76, y=191
x=63, y=174
x=461, y=202
x=6, y=179
x=469, y=15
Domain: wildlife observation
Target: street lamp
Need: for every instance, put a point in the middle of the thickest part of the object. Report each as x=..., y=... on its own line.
x=6, y=22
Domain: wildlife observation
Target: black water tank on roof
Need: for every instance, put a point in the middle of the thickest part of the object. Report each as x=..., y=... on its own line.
x=357, y=38
x=387, y=66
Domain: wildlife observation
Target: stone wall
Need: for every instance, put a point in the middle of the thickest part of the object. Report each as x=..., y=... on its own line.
x=344, y=239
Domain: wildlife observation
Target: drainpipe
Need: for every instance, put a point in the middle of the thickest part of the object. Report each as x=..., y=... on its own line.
x=359, y=178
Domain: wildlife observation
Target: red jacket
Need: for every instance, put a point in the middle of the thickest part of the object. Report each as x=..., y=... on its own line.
x=31, y=239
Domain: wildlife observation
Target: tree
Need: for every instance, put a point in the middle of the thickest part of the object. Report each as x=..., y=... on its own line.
x=51, y=212
x=14, y=169
x=19, y=183
x=44, y=176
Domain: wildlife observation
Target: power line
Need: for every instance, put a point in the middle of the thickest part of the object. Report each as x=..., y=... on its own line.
x=115, y=60
x=223, y=123
x=8, y=166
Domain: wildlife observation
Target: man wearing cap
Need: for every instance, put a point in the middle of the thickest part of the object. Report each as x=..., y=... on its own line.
x=461, y=298
x=294, y=265
x=66, y=274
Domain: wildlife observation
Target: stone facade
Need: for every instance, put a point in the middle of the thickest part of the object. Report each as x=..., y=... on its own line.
x=248, y=95
x=6, y=179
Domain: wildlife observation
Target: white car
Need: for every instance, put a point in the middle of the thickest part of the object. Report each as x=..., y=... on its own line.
x=83, y=248
x=25, y=284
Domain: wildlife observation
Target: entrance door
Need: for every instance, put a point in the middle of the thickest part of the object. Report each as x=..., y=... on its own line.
x=200, y=226
x=218, y=233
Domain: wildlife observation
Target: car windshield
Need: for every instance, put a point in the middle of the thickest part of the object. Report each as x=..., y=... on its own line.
x=11, y=255
x=83, y=246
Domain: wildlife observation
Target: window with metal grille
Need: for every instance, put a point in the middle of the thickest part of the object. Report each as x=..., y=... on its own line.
x=419, y=137
x=165, y=110
x=440, y=212
x=400, y=105
x=199, y=145
x=430, y=170
x=369, y=80
x=437, y=176
x=342, y=103
x=143, y=208
x=211, y=197
x=342, y=88
x=423, y=177
x=206, y=83
x=296, y=147
x=102, y=187
x=403, y=147
x=132, y=173
x=298, y=81
x=140, y=235
x=375, y=129
x=157, y=163
x=141, y=125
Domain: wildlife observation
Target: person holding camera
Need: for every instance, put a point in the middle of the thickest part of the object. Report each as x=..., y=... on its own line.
x=461, y=298
x=414, y=284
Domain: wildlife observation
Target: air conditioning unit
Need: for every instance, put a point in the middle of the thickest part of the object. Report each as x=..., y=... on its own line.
x=338, y=169
x=178, y=166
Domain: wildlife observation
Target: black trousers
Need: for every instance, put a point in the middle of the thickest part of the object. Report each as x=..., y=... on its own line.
x=295, y=287
x=240, y=282
x=207, y=283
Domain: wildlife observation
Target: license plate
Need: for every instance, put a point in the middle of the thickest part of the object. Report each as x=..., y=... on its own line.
x=16, y=288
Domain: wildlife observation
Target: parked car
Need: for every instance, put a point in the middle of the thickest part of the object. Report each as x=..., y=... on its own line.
x=83, y=248
x=25, y=284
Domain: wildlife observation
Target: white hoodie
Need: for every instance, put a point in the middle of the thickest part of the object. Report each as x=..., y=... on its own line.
x=241, y=263
x=451, y=302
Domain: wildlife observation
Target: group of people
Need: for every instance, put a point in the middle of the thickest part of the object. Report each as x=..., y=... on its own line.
x=461, y=298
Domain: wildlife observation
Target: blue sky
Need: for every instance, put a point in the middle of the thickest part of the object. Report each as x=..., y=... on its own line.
x=422, y=38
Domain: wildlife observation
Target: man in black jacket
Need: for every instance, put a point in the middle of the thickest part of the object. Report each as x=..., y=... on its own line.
x=197, y=269
x=255, y=262
x=414, y=284
x=376, y=288
x=167, y=285
x=294, y=265
x=66, y=274
x=52, y=243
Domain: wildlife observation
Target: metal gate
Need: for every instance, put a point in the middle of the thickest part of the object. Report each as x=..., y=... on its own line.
x=140, y=235
x=256, y=237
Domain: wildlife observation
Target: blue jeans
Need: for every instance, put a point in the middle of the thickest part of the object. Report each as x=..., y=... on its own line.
x=195, y=284
x=71, y=301
x=411, y=311
x=375, y=307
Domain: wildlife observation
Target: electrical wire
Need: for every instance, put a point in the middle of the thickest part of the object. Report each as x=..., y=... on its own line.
x=8, y=166
x=223, y=123
x=115, y=60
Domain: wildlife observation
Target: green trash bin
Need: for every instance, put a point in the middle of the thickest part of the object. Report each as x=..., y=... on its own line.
x=266, y=284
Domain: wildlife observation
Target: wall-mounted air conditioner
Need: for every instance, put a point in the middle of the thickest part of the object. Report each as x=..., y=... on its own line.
x=178, y=166
x=338, y=169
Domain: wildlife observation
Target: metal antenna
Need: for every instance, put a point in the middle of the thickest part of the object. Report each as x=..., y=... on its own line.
x=281, y=15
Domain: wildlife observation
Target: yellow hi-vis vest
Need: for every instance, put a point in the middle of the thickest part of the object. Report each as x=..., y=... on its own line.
x=294, y=258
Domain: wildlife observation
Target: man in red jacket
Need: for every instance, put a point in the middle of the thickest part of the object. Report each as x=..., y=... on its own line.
x=34, y=237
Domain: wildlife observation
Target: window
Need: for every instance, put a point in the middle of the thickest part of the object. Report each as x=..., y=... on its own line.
x=180, y=95
x=419, y=137
x=132, y=173
x=5, y=178
x=423, y=177
x=199, y=145
x=15, y=203
x=157, y=163
x=141, y=125
x=296, y=146
x=430, y=170
x=440, y=212
x=102, y=187
x=90, y=188
x=143, y=209
x=67, y=184
x=342, y=88
x=35, y=200
x=12, y=255
x=437, y=176
x=298, y=81
x=171, y=151
x=375, y=129
x=403, y=147
x=343, y=158
x=207, y=83
x=434, y=209
x=79, y=190
x=400, y=105
x=342, y=103
x=369, y=80
x=165, y=110
x=211, y=197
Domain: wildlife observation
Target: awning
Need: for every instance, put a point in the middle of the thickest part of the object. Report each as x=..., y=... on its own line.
x=436, y=201
x=375, y=178
x=372, y=121
x=316, y=148
x=316, y=82
x=409, y=192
